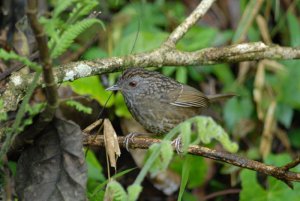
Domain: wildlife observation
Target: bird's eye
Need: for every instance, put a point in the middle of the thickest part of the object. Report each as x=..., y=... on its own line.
x=132, y=83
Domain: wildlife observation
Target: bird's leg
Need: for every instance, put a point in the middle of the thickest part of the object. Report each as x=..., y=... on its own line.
x=177, y=143
x=130, y=137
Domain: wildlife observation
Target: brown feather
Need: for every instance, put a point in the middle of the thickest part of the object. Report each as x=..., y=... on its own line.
x=219, y=97
x=190, y=97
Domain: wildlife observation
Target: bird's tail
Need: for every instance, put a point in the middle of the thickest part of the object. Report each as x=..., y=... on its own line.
x=220, y=97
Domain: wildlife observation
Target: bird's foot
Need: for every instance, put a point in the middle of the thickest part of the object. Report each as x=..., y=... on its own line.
x=129, y=138
x=177, y=143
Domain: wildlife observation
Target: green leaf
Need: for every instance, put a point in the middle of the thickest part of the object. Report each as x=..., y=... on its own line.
x=93, y=87
x=13, y=56
x=134, y=192
x=223, y=73
x=245, y=21
x=237, y=109
x=115, y=190
x=98, y=188
x=288, y=90
x=284, y=114
x=199, y=169
x=276, y=190
x=294, y=136
x=146, y=41
x=195, y=74
x=149, y=14
x=168, y=71
x=61, y=6
x=181, y=74
x=121, y=108
x=184, y=176
x=68, y=36
x=185, y=135
x=197, y=38
x=165, y=154
x=94, y=53
x=95, y=170
x=294, y=28
x=208, y=129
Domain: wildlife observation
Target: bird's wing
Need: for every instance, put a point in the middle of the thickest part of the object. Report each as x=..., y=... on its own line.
x=188, y=97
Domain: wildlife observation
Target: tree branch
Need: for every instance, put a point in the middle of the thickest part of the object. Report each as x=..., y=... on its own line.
x=179, y=32
x=281, y=173
x=48, y=77
x=162, y=56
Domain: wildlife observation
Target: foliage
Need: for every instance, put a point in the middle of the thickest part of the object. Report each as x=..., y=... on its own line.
x=63, y=30
x=79, y=107
x=142, y=26
x=19, y=125
x=274, y=190
x=13, y=56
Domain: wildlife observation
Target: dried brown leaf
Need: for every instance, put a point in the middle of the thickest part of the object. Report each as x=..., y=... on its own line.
x=111, y=143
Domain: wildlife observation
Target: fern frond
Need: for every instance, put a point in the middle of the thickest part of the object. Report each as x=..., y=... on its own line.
x=70, y=34
x=61, y=6
x=13, y=56
x=78, y=106
x=51, y=29
x=116, y=191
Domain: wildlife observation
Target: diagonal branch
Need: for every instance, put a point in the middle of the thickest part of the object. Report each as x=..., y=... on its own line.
x=281, y=173
x=179, y=32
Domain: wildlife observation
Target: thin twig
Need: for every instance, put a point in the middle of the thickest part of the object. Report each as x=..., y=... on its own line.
x=220, y=193
x=292, y=164
x=280, y=173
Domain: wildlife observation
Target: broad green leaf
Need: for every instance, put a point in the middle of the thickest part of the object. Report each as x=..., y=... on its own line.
x=146, y=41
x=121, y=108
x=276, y=190
x=237, y=109
x=93, y=87
x=95, y=170
x=223, y=73
x=198, y=170
x=287, y=89
x=197, y=38
x=94, y=53
x=284, y=114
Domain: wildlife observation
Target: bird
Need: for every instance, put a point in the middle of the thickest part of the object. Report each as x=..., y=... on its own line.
x=159, y=103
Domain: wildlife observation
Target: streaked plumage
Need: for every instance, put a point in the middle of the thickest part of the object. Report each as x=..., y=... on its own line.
x=158, y=102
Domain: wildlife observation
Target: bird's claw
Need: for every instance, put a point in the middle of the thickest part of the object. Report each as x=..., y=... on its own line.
x=129, y=138
x=177, y=143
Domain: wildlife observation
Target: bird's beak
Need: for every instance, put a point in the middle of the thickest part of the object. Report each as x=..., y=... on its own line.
x=113, y=88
